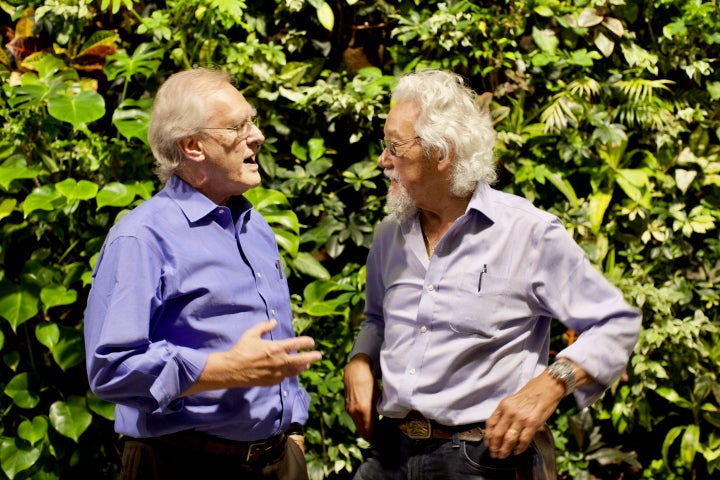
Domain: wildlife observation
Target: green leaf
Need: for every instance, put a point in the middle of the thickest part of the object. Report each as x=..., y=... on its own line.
x=17, y=456
x=74, y=190
x=80, y=109
x=48, y=334
x=690, y=444
x=57, y=295
x=546, y=40
x=100, y=406
x=326, y=16
x=43, y=198
x=23, y=390
x=115, y=195
x=7, y=207
x=15, y=168
x=70, y=418
x=17, y=303
x=33, y=431
x=70, y=349
x=132, y=118
x=308, y=265
x=145, y=61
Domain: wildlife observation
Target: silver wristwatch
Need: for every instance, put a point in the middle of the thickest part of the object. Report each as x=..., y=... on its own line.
x=564, y=372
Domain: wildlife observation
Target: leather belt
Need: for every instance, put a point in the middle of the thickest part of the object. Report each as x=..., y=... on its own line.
x=417, y=427
x=249, y=452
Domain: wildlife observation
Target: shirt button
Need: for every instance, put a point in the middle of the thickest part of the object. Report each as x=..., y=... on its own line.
x=412, y=371
x=220, y=211
x=285, y=393
x=273, y=312
x=259, y=275
x=423, y=329
x=430, y=288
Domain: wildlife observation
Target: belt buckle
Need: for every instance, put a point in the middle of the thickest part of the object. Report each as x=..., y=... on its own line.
x=418, y=427
x=257, y=447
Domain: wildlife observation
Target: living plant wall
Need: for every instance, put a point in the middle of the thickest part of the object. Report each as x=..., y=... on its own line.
x=607, y=113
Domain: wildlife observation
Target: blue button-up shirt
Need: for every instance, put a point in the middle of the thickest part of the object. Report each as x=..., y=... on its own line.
x=457, y=333
x=177, y=278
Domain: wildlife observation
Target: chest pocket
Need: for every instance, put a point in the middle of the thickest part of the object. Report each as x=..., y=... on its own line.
x=481, y=305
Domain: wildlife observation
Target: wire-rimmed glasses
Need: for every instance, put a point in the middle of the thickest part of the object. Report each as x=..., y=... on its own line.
x=392, y=146
x=242, y=130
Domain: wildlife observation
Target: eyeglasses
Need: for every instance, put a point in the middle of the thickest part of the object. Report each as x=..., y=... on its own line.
x=242, y=130
x=392, y=146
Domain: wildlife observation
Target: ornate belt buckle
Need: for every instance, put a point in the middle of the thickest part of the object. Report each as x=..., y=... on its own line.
x=418, y=427
x=258, y=448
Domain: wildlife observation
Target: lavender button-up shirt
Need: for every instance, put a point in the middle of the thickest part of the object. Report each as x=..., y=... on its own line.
x=456, y=334
x=177, y=278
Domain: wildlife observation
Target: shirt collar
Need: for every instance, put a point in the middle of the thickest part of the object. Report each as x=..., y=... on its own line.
x=194, y=204
x=480, y=201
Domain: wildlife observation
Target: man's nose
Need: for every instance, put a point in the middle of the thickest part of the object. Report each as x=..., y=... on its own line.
x=383, y=160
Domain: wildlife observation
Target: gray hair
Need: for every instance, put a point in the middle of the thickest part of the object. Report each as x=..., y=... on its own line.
x=180, y=110
x=451, y=118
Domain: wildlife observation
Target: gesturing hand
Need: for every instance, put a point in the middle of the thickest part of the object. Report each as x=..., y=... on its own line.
x=254, y=361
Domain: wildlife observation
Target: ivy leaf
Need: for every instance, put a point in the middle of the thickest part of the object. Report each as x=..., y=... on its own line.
x=100, y=406
x=70, y=418
x=48, y=334
x=57, y=295
x=33, y=431
x=17, y=304
x=70, y=349
x=23, y=390
x=7, y=207
x=17, y=456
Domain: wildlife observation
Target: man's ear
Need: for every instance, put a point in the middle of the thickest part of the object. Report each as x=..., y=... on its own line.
x=192, y=147
x=445, y=162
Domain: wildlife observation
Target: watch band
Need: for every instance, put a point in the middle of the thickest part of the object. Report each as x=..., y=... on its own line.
x=565, y=372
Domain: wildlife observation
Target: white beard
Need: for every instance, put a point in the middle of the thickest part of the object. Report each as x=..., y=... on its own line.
x=399, y=204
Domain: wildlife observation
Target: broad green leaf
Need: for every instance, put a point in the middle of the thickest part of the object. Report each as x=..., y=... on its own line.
x=598, y=204
x=17, y=456
x=57, y=295
x=70, y=418
x=81, y=109
x=145, y=61
x=546, y=40
x=70, y=349
x=101, y=38
x=263, y=199
x=115, y=195
x=23, y=390
x=15, y=168
x=74, y=190
x=288, y=241
x=132, y=118
x=43, y=198
x=100, y=406
x=308, y=265
x=673, y=397
x=18, y=304
x=33, y=430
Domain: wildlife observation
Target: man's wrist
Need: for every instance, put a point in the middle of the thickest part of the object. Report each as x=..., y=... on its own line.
x=295, y=429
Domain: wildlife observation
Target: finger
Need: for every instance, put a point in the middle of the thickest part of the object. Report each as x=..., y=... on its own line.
x=296, y=343
x=304, y=359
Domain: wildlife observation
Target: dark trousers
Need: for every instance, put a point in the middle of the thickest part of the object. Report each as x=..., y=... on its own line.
x=155, y=459
x=394, y=456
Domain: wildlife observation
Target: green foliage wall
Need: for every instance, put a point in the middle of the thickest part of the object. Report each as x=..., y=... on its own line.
x=607, y=115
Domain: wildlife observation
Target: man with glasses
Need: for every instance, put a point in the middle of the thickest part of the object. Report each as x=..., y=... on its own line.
x=188, y=327
x=462, y=283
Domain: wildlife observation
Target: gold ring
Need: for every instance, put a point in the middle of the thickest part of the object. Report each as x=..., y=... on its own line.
x=513, y=432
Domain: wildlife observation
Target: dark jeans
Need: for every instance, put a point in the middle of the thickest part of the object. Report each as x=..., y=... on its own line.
x=393, y=456
x=149, y=459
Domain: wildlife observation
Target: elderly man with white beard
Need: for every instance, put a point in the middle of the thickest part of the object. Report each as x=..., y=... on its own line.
x=463, y=281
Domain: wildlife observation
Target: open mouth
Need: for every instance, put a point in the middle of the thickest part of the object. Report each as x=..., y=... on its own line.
x=250, y=160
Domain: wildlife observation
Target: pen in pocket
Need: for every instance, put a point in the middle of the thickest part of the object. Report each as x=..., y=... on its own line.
x=483, y=272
